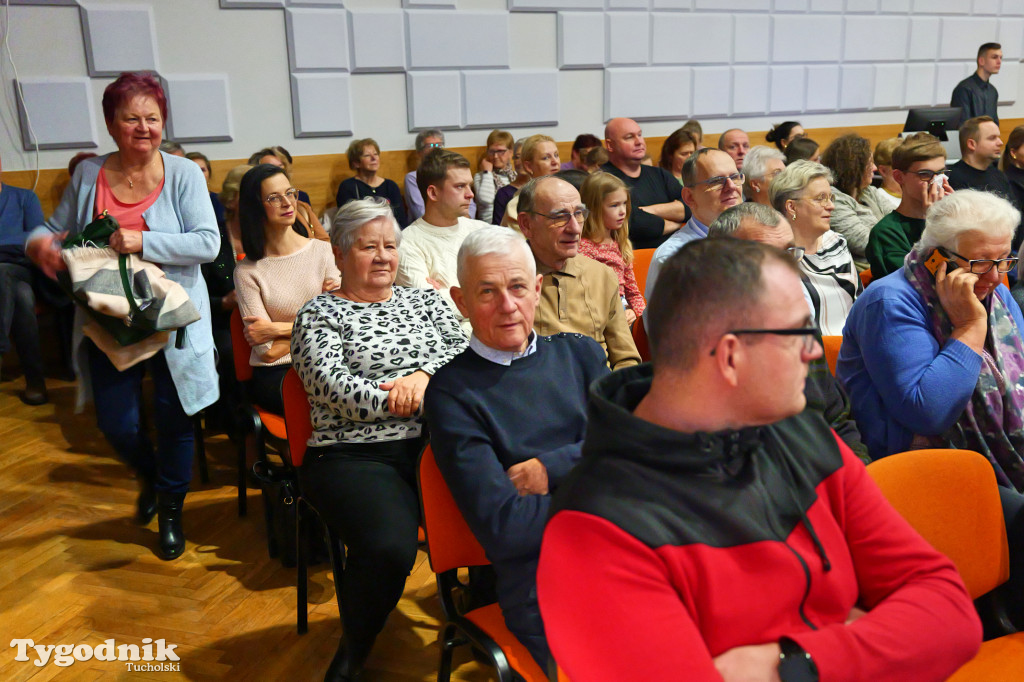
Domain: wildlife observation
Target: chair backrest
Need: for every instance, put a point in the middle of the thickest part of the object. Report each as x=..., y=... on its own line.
x=296, y=416
x=240, y=347
x=865, y=277
x=951, y=498
x=641, y=264
x=831, y=345
x=640, y=339
x=450, y=542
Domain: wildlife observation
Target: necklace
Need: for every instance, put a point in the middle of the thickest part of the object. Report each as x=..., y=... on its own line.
x=131, y=182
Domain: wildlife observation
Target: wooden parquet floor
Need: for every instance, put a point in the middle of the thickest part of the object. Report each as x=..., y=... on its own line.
x=74, y=569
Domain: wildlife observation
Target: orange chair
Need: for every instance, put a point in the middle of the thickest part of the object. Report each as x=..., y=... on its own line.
x=640, y=339
x=865, y=277
x=951, y=498
x=831, y=345
x=641, y=264
x=452, y=545
x=299, y=428
x=255, y=421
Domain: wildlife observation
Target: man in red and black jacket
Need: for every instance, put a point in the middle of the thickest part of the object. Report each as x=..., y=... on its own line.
x=716, y=530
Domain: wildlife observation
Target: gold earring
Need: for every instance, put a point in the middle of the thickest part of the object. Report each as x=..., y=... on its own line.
x=792, y=216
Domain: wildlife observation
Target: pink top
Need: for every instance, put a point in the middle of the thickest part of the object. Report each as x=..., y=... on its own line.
x=128, y=215
x=609, y=254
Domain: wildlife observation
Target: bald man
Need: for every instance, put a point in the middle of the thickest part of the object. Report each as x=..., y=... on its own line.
x=657, y=205
x=736, y=144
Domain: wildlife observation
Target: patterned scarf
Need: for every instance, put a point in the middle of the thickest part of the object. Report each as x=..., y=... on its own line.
x=993, y=421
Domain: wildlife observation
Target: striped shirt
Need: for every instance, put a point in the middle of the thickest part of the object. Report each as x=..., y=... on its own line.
x=832, y=283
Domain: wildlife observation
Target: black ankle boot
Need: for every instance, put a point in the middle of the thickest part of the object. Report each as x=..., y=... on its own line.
x=347, y=665
x=172, y=537
x=145, y=505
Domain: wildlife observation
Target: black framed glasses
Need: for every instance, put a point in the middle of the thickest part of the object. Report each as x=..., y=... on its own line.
x=277, y=200
x=717, y=183
x=926, y=175
x=981, y=266
x=496, y=152
x=810, y=335
x=561, y=219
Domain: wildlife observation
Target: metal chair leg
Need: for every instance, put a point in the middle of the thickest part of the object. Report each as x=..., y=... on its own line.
x=301, y=597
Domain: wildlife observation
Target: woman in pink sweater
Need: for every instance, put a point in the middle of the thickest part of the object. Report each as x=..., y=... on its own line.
x=282, y=270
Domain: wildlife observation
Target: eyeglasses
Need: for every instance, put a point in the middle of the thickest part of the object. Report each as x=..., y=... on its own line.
x=561, y=219
x=926, y=175
x=797, y=252
x=717, y=183
x=822, y=199
x=277, y=200
x=433, y=145
x=810, y=335
x=496, y=152
x=981, y=266
x=771, y=175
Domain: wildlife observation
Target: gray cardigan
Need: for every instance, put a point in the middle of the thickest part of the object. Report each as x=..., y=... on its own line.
x=182, y=235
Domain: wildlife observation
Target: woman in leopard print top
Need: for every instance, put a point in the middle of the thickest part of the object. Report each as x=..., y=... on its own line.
x=365, y=353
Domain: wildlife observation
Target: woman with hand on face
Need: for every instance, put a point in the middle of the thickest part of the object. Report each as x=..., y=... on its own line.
x=282, y=270
x=164, y=211
x=364, y=159
x=803, y=193
x=365, y=354
x=495, y=172
x=540, y=158
x=519, y=178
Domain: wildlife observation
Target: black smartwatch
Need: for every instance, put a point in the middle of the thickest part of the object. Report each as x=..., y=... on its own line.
x=795, y=664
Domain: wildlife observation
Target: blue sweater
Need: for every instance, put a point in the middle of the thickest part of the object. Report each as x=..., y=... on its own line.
x=485, y=417
x=900, y=381
x=20, y=212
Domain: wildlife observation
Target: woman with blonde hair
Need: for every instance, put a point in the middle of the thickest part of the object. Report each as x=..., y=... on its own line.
x=539, y=158
x=606, y=236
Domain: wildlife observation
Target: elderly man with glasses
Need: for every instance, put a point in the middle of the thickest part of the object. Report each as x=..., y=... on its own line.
x=711, y=184
x=715, y=529
x=578, y=294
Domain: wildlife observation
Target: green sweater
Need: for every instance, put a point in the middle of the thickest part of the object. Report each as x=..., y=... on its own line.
x=890, y=242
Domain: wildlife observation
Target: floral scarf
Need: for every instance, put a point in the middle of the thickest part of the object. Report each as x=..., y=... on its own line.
x=993, y=421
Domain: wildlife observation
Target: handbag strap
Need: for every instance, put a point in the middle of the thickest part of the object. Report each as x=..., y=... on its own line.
x=122, y=266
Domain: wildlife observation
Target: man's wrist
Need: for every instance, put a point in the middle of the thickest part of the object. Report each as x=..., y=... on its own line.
x=795, y=664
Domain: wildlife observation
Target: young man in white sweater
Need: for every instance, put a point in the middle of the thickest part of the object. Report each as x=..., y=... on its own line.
x=427, y=253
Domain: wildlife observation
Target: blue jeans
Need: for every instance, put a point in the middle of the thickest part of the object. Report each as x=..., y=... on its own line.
x=121, y=418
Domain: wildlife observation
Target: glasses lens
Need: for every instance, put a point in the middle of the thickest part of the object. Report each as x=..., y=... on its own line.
x=1007, y=264
x=926, y=175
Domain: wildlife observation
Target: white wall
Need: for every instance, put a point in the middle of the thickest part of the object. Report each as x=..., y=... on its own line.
x=249, y=47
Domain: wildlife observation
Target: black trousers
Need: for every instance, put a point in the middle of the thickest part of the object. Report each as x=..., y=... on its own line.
x=366, y=493
x=265, y=387
x=18, y=320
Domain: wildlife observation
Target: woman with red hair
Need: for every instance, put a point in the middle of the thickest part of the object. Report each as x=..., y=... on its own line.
x=165, y=215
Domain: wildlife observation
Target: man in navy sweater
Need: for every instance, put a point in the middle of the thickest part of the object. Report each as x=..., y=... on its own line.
x=507, y=417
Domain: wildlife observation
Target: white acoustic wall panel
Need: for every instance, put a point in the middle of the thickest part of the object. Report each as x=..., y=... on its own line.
x=1011, y=31
x=890, y=85
x=434, y=99
x=629, y=4
x=250, y=4
x=924, y=37
x=826, y=5
x=673, y=4
x=553, y=5
x=920, y=90
x=198, y=108
x=41, y=2
x=961, y=36
x=61, y=111
x=712, y=86
x=942, y=6
x=894, y=6
x=321, y=104
x=1015, y=7
x=647, y=94
x=750, y=89
x=822, y=88
x=317, y=39
x=751, y=41
x=429, y=4
x=691, y=38
x=741, y=5
x=1007, y=82
x=504, y=98
x=857, y=87
x=862, y=6
x=119, y=38
x=581, y=40
x=629, y=38
x=338, y=4
x=947, y=75
x=791, y=5
x=791, y=33
x=440, y=39
x=986, y=7
x=875, y=38
x=378, y=40
x=787, y=89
